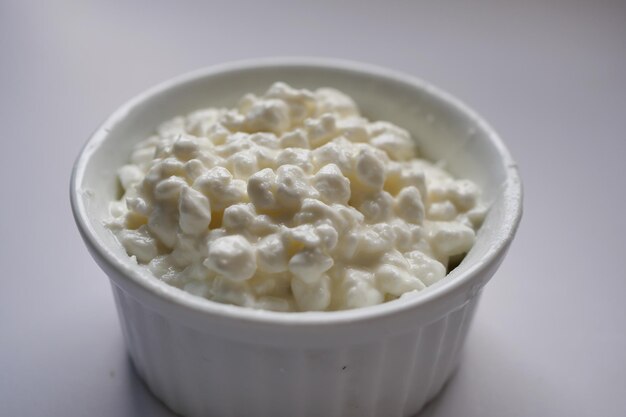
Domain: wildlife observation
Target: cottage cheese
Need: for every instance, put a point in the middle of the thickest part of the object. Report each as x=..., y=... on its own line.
x=291, y=201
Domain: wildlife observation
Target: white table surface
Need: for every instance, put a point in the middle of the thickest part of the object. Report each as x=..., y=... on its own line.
x=550, y=336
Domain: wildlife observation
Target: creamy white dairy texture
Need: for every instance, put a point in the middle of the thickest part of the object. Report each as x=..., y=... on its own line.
x=292, y=201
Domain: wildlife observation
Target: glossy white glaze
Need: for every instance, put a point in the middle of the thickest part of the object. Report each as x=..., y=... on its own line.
x=199, y=356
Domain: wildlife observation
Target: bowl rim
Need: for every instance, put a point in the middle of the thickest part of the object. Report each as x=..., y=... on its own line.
x=144, y=281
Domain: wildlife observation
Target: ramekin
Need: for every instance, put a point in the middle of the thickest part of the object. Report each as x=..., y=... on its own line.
x=208, y=359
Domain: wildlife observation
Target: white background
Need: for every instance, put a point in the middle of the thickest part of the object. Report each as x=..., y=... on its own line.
x=550, y=336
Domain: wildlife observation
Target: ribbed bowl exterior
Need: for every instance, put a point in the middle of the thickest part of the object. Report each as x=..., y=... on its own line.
x=198, y=374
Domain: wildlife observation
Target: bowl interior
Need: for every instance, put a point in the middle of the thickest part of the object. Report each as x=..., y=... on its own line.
x=446, y=130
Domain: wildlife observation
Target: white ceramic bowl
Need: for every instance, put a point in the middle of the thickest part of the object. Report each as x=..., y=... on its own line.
x=208, y=359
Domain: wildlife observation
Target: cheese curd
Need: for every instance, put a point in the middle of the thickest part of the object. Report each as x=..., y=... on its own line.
x=292, y=201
